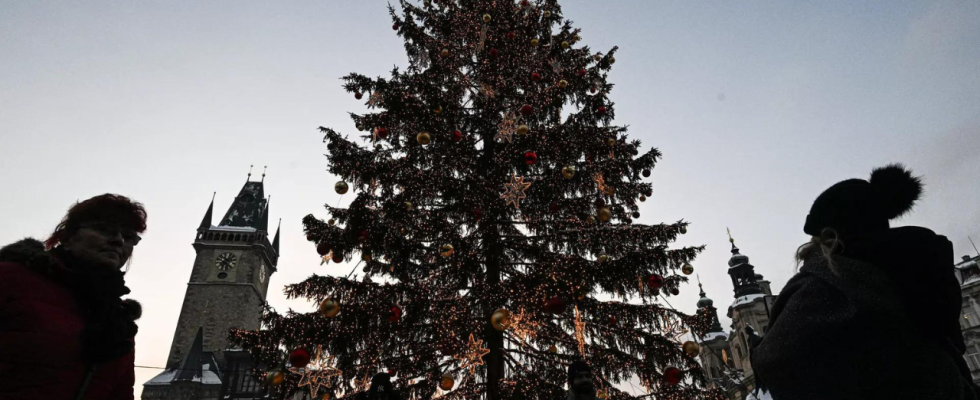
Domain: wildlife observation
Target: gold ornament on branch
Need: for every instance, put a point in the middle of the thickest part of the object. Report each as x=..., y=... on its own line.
x=447, y=382
x=568, y=172
x=447, y=250
x=604, y=214
x=692, y=349
x=523, y=130
x=341, y=187
x=423, y=138
x=329, y=308
x=515, y=190
x=500, y=319
x=474, y=354
x=687, y=269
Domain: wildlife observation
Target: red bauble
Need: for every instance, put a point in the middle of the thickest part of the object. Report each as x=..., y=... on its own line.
x=457, y=136
x=525, y=3
x=673, y=375
x=493, y=52
x=613, y=320
x=382, y=132
x=553, y=207
x=593, y=90
x=362, y=235
x=478, y=213
x=358, y=95
x=394, y=27
x=394, y=314
x=511, y=35
x=535, y=76
x=555, y=305
x=527, y=110
x=602, y=110
x=338, y=257
x=581, y=72
x=299, y=358
x=530, y=158
x=323, y=249
x=655, y=281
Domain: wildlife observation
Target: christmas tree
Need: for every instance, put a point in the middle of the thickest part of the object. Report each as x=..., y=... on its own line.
x=494, y=224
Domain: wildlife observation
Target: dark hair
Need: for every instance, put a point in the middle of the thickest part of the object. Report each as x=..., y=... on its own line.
x=112, y=208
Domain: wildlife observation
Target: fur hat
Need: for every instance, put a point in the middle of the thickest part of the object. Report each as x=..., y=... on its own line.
x=857, y=206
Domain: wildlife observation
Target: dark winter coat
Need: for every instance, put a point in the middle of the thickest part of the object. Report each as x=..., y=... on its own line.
x=881, y=324
x=46, y=308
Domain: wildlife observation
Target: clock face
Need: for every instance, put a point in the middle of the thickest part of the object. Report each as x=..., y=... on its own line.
x=262, y=274
x=226, y=261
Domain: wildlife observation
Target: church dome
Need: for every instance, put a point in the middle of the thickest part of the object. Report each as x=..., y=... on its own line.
x=704, y=301
x=737, y=258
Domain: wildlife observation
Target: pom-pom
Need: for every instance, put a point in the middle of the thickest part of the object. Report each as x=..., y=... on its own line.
x=132, y=308
x=895, y=188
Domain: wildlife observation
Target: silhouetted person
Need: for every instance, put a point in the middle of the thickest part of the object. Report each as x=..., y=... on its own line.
x=65, y=332
x=381, y=389
x=873, y=312
x=580, y=383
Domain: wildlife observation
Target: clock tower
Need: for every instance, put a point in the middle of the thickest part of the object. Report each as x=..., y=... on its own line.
x=226, y=290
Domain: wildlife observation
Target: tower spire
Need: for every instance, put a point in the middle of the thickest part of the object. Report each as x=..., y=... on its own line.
x=263, y=172
x=275, y=241
x=206, y=221
x=249, y=173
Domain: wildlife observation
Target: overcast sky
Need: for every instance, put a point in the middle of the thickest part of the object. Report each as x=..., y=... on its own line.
x=757, y=106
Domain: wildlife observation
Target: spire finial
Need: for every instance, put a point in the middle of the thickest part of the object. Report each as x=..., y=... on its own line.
x=263, y=173
x=731, y=240
x=699, y=285
x=249, y=173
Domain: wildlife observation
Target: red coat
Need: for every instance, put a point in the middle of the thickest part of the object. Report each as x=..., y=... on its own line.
x=40, y=335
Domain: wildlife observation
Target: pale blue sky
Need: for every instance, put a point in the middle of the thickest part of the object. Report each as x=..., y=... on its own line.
x=757, y=105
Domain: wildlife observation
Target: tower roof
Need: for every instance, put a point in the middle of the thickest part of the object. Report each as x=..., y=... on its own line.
x=704, y=301
x=249, y=208
x=196, y=366
x=208, y=216
x=737, y=258
x=275, y=241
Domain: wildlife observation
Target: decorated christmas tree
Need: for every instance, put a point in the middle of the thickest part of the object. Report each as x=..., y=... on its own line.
x=495, y=222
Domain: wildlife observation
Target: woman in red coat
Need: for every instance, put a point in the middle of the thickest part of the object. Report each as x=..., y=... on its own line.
x=65, y=332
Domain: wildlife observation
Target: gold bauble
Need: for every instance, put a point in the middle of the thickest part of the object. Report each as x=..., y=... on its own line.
x=500, y=319
x=576, y=38
x=522, y=130
x=341, y=187
x=604, y=214
x=438, y=110
x=683, y=230
x=563, y=84
x=643, y=198
x=611, y=141
x=547, y=14
x=444, y=53
x=590, y=220
x=424, y=138
x=366, y=257
x=534, y=42
x=326, y=396
x=568, y=172
x=564, y=45
x=687, y=269
x=447, y=382
x=602, y=395
x=329, y=308
x=486, y=18
x=692, y=349
x=552, y=349
x=408, y=206
x=275, y=378
x=612, y=60
x=602, y=258
x=598, y=57
x=332, y=222
x=447, y=250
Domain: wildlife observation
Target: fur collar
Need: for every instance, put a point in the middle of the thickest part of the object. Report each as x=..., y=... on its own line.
x=109, y=321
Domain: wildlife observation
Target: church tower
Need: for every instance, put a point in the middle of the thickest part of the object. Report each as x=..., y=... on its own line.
x=226, y=290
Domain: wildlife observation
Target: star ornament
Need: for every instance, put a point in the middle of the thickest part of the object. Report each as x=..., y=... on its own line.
x=474, y=354
x=515, y=190
x=317, y=374
x=507, y=127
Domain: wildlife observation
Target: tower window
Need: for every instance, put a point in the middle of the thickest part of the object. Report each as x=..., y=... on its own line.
x=222, y=275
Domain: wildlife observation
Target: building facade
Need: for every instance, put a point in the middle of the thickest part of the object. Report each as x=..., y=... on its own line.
x=226, y=290
x=968, y=274
x=725, y=355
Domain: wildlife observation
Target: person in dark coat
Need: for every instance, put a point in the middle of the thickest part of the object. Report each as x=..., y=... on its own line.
x=873, y=312
x=65, y=331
